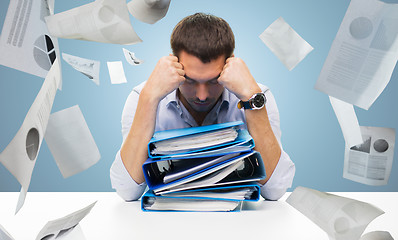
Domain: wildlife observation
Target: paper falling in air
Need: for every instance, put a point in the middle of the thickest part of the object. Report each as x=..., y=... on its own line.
x=74, y=233
x=70, y=141
x=88, y=67
x=25, y=43
x=348, y=121
x=131, y=58
x=4, y=235
x=285, y=43
x=377, y=235
x=62, y=226
x=371, y=162
x=116, y=72
x=106, y=21
x=341, y=218
x=148, y=11
x=19, y=157
x=363, y=54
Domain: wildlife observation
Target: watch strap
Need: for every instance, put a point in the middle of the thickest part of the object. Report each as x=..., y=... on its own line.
x=244, y=104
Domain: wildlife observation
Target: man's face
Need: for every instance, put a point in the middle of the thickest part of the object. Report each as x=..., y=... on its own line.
x=201, y=90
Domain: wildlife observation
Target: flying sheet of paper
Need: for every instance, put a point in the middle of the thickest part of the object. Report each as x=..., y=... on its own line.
x=74, y=233
x=106, y=21
x=19, y=157
x=377, y=235
x=70, y=141
x=57, y=227
x=131, y=58
x=371, y=162
x=363, y=54
x=4, y=235
x=341, y=218
x=285, y=43
x=148, y=11
x=348, y=121
x=25, y=43
x=88, y=67
x=116, y=72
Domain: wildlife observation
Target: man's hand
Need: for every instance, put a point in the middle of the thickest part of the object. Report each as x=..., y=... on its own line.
x=237, y=78
x=167, y=76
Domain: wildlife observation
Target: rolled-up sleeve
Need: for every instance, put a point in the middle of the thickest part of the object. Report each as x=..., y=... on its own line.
x=121, y=180
x=280, y=180
x=282, y=176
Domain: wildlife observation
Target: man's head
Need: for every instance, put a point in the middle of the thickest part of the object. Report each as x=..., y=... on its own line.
x=202, y=42
x=204, y=36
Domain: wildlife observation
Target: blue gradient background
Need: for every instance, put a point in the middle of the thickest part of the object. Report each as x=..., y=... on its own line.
x=310, y=131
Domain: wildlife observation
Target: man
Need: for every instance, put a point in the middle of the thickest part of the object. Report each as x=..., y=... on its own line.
x=201, y=84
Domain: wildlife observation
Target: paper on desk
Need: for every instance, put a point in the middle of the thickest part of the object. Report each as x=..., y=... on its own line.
x=70, y=141
x=341, y=218
x=116, y=72
x=148, y=11
x=19, y=157
x=25, y=43
x=348, y=121
x=131, y=58
x=371, y=162
x=57, y=227
x=106, y=21
x=377, y=235
x=363, y=54
x=285, y=43
x=4, y=235
x=88, y=67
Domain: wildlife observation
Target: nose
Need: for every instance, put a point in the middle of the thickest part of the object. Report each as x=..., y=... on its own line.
x=202, y=92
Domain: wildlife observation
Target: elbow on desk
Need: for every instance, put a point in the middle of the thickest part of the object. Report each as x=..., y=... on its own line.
x=272, y=194
x=127, y=195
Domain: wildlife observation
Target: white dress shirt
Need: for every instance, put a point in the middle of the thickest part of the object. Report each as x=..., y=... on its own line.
x=172, y=114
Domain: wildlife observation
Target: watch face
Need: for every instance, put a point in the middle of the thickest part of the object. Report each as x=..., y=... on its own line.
x=259, y=101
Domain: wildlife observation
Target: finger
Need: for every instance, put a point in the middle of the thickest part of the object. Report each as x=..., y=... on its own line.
x=178, y=65
x=229, y=59
x=173, y=58
x=181, y=72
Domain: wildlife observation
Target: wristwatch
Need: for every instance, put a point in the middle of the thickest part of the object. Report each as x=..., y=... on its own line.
x=257, y=101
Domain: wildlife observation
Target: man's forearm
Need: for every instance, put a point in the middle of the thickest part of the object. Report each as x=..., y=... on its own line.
x=266, y=143
x=134, y=149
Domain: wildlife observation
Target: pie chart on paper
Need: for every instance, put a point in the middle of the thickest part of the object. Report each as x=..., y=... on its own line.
x=44, y=52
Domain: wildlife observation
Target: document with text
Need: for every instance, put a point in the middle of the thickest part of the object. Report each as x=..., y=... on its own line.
x=19, y=157
x=363, y=54
x=371, y=162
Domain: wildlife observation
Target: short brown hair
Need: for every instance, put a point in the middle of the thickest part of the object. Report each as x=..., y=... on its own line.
x=203, y=35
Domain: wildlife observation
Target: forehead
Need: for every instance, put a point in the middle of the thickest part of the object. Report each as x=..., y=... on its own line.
x=197, y=70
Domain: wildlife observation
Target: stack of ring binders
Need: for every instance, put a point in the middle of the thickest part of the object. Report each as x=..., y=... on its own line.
x=206, y=168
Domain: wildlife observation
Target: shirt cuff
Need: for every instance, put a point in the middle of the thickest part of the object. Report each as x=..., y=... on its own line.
x=124, y=184
x=280, y=180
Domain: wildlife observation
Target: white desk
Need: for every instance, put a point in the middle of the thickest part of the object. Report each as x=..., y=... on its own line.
x=111, y=218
